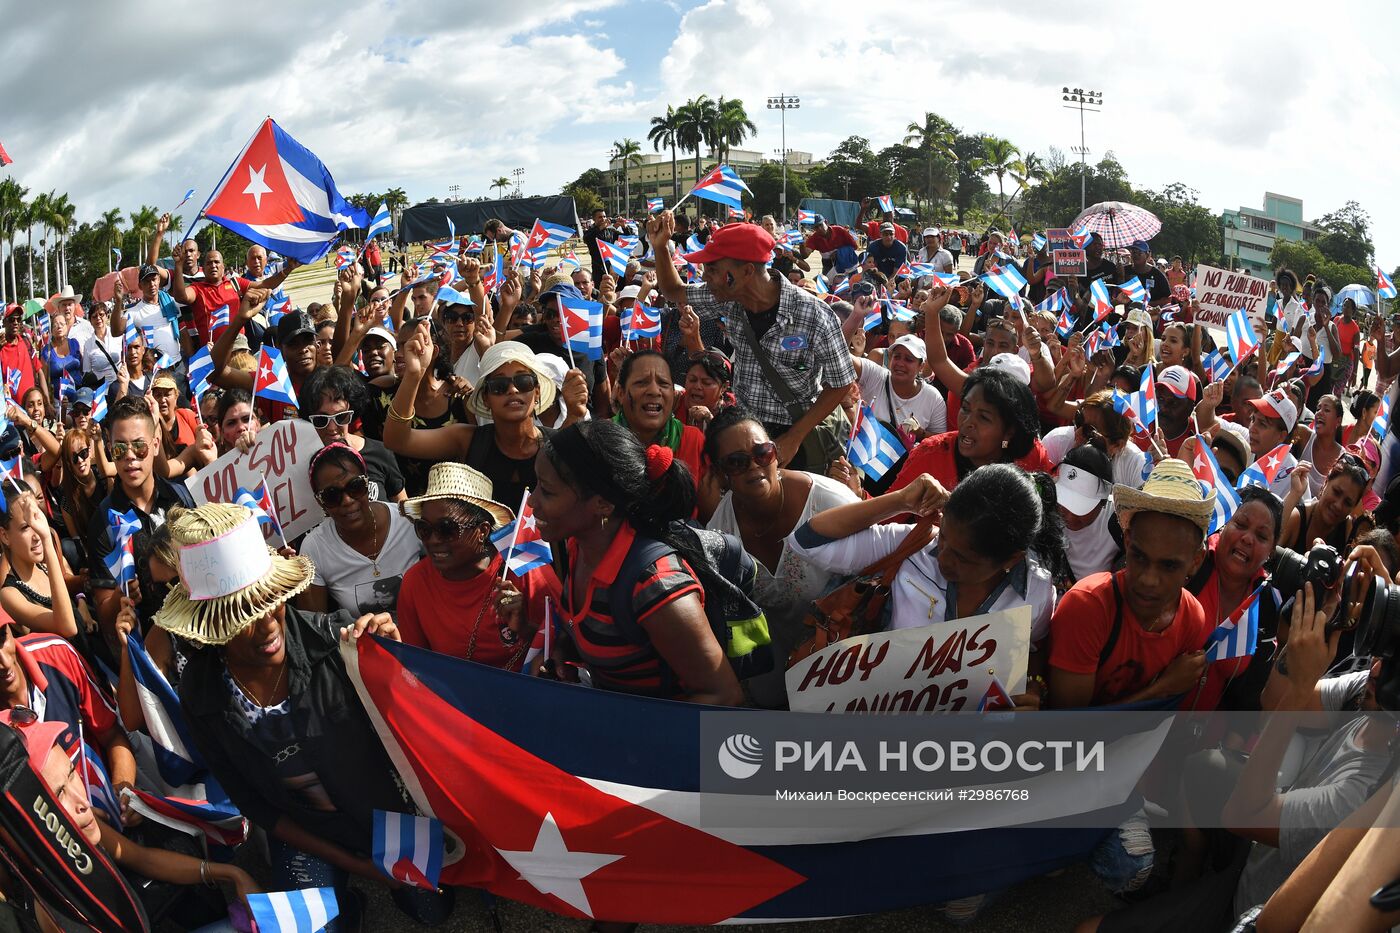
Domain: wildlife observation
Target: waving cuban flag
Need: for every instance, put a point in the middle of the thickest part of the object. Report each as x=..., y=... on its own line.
x=582, y=322
x=886, y=203
x=1384, y=286
x=1057, y=301
x=614, y=257
x=1265, y=470
x=408, y=848
x=272, y=381
x=545, y=236
x=806, y=217
x=201, y=368
x=1213, y=480
x=304, y=911
x=277, y=193
x=1134, y=289
x=872, y=447
x=1103, y=304
x=383, y=222
x=655, y=204
x=525, y=550
x=721, y=184
x=642, y=322
x=1006, y=281
x=1238, y=635
x=1381, y=426
x=1239, y=335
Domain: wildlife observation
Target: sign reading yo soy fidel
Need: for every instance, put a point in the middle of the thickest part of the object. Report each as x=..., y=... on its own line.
x=944, y=667
x=1220, y=293
x=280, y=455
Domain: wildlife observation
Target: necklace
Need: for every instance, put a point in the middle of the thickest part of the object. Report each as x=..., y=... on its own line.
x=373, y=537
x=253, y=696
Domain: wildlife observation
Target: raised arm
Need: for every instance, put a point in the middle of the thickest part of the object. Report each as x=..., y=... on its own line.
x=449, y=442
x=947, y=372
x=668, y=279
x=223, y=347
x=179, y=288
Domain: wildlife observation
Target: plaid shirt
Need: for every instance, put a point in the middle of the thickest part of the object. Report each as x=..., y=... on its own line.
x=805, y=344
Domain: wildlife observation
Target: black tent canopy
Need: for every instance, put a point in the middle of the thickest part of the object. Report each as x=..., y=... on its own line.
x=429, y=221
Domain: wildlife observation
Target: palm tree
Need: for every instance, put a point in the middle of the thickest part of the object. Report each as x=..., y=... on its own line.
x=43, y=214
x=29, y=217
x=732, y=126
x=501, y=183
x=943, y=176
x=11, y=214
x=696, y=129
x=998, y=158
x=395, y=199
x=177, y=224
x=935, y=138
x=663, y=132
x=629, y=153
x=108, y=229
x=63, y=213
x=143, y=225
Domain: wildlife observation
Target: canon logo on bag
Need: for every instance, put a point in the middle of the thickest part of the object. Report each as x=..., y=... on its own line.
x=66, y=840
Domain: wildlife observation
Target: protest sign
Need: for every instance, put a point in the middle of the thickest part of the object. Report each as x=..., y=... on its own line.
x=281, y=455
x=1220, y=293
x=1070, y=262
x=942, y=667
x=1059, y=238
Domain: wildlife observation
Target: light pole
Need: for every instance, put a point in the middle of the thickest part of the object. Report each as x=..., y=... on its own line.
x=783, y=103
x=518, y=174
x=1082, y=100
x=454, y=189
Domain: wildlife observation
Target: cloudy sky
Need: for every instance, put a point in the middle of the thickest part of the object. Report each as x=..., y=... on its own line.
x=126, y=103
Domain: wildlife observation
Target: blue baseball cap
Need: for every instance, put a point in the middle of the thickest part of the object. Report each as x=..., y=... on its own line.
x=1141, y=246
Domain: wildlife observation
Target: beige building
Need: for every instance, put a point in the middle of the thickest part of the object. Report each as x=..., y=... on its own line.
x=652, y=177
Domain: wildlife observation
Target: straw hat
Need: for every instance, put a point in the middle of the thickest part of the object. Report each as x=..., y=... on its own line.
x=511, y=351
x=229, y=577
x=1171, y=489
x=459, y=481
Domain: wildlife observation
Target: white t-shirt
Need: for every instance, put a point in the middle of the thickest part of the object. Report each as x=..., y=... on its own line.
x=349, y=575
x=95, y=362
x=81, y=331
x=927, y=407
x=1127, y=463
x=942, y=259
x=145, y=314
x=1092, y=549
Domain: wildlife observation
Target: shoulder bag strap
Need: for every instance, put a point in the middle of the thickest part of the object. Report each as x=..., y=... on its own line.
x=886, y=567
x=1117, y=627
x=779, y=385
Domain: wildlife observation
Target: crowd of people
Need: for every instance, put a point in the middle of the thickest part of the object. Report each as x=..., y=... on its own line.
x=698, y=490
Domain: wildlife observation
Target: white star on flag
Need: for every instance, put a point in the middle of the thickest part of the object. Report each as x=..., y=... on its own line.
x=256, y=186
x=529, y=521
x=1274, y=461
x=552, y=869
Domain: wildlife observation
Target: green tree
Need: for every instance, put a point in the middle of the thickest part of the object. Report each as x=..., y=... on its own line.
x=12, y=211
x=499, y=184
x=1347, y=236
x=587, y=191
x=971, y=186
x=851, y=172
x=999, y=156
x=1189, y=229
x=396, y=199
x=767, y=187
x=696, y=126
x=936, y=142
x=108, y=230
x=732, y=126
x=1306, y=259
x=663, y=132
x=1055, y=201
x=629, y=152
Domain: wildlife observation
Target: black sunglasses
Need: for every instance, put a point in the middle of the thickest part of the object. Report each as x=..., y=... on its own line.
x=356, y=487
x=341, y=418
x=452, y=317
x=445, y=528
x=500, y=385
x=739, y=461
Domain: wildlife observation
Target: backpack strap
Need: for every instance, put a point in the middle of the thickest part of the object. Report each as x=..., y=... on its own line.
x=1117, y=627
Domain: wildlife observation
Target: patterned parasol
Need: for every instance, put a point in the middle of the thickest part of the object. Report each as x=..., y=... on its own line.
x=1119, y=224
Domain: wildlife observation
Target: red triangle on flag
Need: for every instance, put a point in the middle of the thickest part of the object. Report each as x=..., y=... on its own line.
x=256, y=190
x=4, y=157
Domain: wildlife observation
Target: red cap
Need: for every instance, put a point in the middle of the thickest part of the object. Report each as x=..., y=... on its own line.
x=744, y=242
x=38, y=738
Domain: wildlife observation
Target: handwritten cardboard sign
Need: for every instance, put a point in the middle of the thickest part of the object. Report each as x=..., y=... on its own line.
x=942, y=667
x=1069, y=262
x=1220, y=293
x=281, y=455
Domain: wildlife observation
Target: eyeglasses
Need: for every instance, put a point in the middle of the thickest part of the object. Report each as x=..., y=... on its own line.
x=500, y=385
x=452, y=317
x=81, y=453
x=739, y=461
x=22, y=715
x=321, y=422
x=137, y=448
x=356, y=487
x=445, y=528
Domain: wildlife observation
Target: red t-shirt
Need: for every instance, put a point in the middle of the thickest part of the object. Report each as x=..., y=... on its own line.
x=836, y=237
x=934, y=456
x=18, y=357
x=209, y=298
x=872, y=231
x=1080, y=627
x=1347, y=332
x=440, y=614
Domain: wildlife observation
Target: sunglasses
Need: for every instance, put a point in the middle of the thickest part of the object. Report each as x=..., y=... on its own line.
x=739, y=461
x=321, y=422
x=81, y=453
x=452, y=317
x=445, y=528
x=137, y=449
x=22, y=715
x=357, y=488
x=500, y=385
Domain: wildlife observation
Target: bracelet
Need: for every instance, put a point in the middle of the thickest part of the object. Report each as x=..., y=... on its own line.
x=406, y=419
x=204, y=874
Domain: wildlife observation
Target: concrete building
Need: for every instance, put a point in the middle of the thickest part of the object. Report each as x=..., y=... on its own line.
x=652, y=176
x=1250, y=233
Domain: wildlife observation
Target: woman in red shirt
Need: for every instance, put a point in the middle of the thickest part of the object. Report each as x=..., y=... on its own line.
x=997, y=423
x=454, y=600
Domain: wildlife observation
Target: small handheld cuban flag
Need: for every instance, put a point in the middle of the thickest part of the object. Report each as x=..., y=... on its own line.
x=1006, y=281
x=99, y=401
x=278, y=304
x=258, y=501
x=721, y=184
x=806, y=217
x=408, y=848
x=272, y=380
x=1212, y=479
x=525, y=550
x=1216, y=366
x=1134, y=289
x=201, y=368
x=1265, y=470
x=545, y=236
x=736, y=213
x=886, y=203
x=66, y=386
x=1384, y=286
x=1056, y=301
x=582, y=322
x=1038, y=242
x=654, y=205
x=304, y=911
x=643, y=322
x=1102, y=339
x=383, y=222
x=614, y=258
x=188, y=194
x=345, y=256
x=1239, y=335
x=12, y=383
x=1103, y=304
x=1380, y=427
x=1145, y=399
x=1315, y=368
x=693, y=244
x=569, y=260
x=218, y=320
x=121, y=563
x=475, y=245
x=1285, y=363
x=1065, y=325
x=874, y=317
x=1238, y=635
x=996, y=697
x=872, y=447
x=821, y=284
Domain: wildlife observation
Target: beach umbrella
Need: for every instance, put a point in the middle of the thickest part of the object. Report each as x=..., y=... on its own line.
x=1118, y=223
